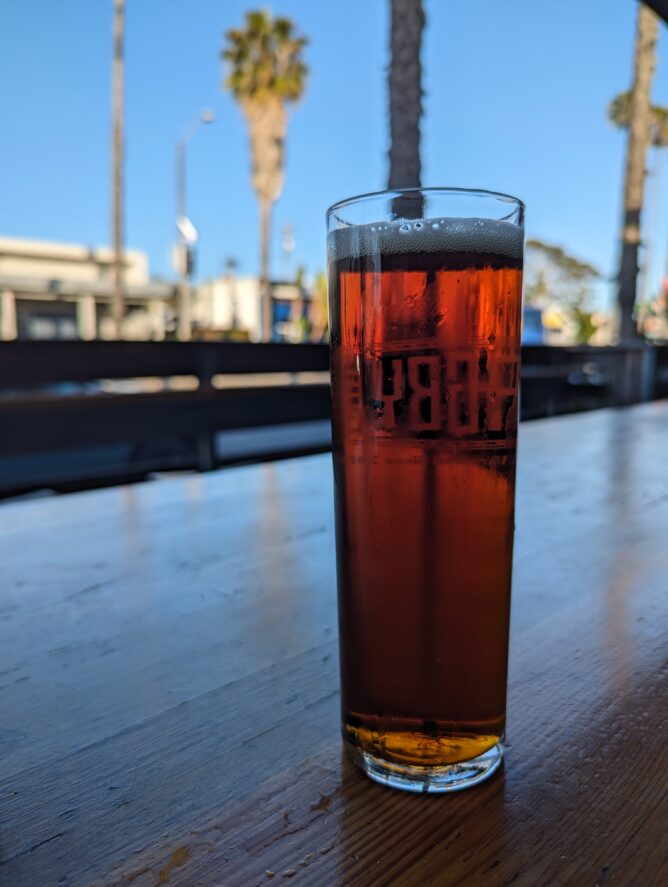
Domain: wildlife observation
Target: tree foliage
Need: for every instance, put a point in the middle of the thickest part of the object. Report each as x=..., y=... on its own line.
x=265, y=60
x=619, y=113
x=554, y=274
x=554, y=277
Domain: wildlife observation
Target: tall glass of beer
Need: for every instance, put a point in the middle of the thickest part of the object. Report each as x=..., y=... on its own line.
x=425, y=290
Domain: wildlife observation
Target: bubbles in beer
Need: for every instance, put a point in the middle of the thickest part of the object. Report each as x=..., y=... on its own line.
x=448, y=235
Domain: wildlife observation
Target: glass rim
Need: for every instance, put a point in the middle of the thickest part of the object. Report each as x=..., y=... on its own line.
x=398, y=192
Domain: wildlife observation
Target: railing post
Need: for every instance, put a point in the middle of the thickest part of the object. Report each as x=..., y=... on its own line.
x=205, y=451
x=634, y=373
x=205, y=444
x=648, y=373
x=625, y=375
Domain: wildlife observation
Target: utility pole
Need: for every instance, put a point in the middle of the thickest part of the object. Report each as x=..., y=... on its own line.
x=117, y=152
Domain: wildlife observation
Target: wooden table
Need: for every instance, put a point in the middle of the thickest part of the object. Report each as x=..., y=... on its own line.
x=169, y=688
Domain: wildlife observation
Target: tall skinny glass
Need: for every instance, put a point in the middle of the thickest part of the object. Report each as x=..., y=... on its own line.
x=425, y=316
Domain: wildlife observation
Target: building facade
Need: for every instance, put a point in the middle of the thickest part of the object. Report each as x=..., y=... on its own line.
x=64, y=291
x=233, y=304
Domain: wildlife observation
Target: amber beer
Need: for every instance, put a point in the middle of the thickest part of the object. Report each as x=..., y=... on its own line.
x=425, y=347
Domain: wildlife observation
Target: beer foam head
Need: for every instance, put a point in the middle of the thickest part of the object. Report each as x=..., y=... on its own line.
x=404, y=236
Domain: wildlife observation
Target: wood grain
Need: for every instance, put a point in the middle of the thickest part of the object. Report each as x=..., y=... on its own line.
x=169, y=686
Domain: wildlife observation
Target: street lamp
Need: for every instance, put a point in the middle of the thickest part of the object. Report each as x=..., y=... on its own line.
x=186, y=229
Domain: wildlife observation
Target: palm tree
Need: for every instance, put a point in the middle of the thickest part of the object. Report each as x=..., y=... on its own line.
x=619, y=113
x=640, y=123
x=405, y=88
x=266, y=72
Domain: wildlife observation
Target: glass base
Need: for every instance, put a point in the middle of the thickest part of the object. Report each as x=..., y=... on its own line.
x=443, y=778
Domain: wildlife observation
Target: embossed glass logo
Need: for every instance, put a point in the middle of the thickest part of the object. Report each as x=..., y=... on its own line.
x=430, y=394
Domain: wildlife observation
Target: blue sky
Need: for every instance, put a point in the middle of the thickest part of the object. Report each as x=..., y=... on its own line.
x=516, y=94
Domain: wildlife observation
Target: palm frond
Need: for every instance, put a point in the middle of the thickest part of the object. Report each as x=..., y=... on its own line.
x=619, y=113
x=265, y=59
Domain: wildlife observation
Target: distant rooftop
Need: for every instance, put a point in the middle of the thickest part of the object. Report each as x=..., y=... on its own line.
x=67, y=262
x=52, y=249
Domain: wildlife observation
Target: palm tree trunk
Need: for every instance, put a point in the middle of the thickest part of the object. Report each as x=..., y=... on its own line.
x=405, y=88
x=117, y=303
x=636, y=153
x=265, y=284
x=652, y=206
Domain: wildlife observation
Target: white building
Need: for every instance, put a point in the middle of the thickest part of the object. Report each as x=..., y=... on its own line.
x=60, y=290
x=234, y=303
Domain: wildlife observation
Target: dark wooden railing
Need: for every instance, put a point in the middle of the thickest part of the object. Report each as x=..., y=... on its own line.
x=558, y=380
x=27, y=364
x=67, y=419
x=53, y=404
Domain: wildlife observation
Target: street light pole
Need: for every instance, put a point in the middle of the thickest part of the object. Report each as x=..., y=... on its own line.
x=180, y=179
x=184, y=328
x=187, y=231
